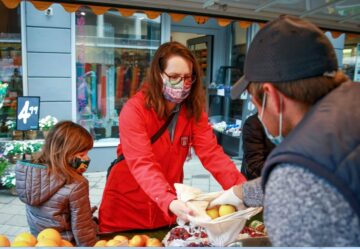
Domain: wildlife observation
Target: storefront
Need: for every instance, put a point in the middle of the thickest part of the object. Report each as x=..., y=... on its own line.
x=86, y=61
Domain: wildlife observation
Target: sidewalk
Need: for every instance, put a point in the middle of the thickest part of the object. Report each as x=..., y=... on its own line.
x=12, y=210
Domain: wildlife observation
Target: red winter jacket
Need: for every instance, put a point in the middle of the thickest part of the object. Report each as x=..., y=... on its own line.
x=140, y=188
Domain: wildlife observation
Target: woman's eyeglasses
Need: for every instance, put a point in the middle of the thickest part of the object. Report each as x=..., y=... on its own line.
x=176, y=79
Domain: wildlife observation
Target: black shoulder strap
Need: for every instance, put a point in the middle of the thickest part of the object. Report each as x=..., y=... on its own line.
x=153, y=140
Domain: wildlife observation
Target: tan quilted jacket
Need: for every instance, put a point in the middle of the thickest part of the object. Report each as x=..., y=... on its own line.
x=51, y=203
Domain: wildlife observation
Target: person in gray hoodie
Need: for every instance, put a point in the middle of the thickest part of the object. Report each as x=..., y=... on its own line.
x=53, y=188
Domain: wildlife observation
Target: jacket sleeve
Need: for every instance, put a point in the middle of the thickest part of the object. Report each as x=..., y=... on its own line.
x=140, y=158
x=212, y=155
x=82, y=225
x=254, y=146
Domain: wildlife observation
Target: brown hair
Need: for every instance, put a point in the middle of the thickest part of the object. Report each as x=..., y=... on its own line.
x=307, y=91
x=153, y=89
x=64, y=140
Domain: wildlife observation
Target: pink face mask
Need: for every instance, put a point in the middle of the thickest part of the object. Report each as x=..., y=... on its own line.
x=175, y=93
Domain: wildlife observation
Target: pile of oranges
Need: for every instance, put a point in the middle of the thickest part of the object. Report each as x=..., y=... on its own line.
x=46, y=238
x=49, y=237
x=135, y=241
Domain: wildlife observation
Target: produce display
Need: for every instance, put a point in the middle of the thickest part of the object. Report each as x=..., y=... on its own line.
x=197, y=237
x=254, y=230
x=51, y=238
x=46, y=238
x=135, y=241
x=186, y=236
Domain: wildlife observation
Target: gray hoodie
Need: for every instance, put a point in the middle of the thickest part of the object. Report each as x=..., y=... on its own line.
x=52, y=203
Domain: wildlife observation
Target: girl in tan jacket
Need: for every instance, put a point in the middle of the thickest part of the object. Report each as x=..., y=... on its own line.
x=53, y=188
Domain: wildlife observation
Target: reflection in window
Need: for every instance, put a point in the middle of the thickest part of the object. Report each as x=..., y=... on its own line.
x=10, y=65
x=351, y=57
x=113, y=54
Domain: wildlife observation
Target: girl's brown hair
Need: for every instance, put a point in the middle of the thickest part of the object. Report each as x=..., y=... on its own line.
x=153, y=88
x=61, y=144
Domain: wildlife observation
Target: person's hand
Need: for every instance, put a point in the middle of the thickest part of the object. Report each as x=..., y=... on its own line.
x=180, y=209
x=228, y=197
x=93, y=209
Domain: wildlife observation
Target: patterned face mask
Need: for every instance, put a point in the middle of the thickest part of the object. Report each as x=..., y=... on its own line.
x=80, y=164
x=177, y=92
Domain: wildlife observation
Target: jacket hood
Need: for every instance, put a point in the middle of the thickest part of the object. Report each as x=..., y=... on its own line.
x=33, y=183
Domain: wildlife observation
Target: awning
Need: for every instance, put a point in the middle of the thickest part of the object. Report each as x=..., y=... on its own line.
x=101, y=7
x=100, y=10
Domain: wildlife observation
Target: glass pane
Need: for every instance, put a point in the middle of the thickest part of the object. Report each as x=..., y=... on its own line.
x=351, y=57
x=113, y=55
x=10, y=66
x=237, y=63
x=200, y=50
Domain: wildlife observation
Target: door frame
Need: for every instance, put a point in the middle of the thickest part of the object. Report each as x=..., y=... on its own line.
x=221, y=39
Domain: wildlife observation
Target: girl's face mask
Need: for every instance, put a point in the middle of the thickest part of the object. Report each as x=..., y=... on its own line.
x=176, y=89
x=80, y=164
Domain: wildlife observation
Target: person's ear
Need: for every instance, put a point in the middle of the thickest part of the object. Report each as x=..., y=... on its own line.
x=273, y=97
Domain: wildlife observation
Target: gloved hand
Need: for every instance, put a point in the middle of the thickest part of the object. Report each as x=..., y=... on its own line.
x=180, y=209
x=228, y=197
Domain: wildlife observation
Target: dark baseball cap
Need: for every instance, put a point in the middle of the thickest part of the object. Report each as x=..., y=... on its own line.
x=286, y=49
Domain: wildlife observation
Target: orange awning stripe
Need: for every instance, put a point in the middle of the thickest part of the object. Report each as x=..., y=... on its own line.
x=201, y=19
x=152, y=14
x=11, y=4
x=177, y=17
x=223, y=22
x=244, y=24
x=41, y=5
x=98, y=10
x=335, y=34
x=69, y=7
x=261, y=24
x=126, y=12
x=352, y=36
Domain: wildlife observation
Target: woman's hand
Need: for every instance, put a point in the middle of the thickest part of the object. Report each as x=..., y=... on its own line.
x=180, y=209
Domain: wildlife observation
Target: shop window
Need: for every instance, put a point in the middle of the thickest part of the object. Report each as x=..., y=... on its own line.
x=113, y=56
x=226, y=114
x=11, y=85
x=351, y=57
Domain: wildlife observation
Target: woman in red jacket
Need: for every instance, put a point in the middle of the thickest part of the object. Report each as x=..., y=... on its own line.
x=139, y=193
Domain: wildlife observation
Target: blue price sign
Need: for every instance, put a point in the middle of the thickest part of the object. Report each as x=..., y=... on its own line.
x=27, y=115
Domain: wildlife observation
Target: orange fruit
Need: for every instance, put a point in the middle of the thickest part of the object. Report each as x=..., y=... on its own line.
x=4, y=241
x=66, y=243
x=137, y=241
x=114, y=242
x=153, y=242
x=26, y=237
x=145, y=237
x=121, y=238
x=20, y=244
x=47, y=243
x=100, y=243
x=50, y=234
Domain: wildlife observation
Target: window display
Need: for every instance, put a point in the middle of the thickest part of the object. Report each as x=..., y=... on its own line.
x=113, y=54
x=11, y=85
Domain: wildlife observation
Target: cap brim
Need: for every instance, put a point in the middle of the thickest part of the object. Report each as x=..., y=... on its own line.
x=239, y=87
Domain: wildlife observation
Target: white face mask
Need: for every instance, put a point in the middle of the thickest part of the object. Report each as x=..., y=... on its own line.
x=278, y=139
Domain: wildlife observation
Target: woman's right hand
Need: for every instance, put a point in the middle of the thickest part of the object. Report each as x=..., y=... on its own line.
x=180, y=209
